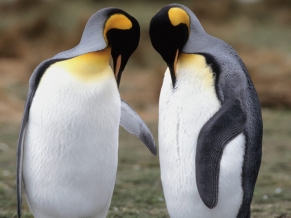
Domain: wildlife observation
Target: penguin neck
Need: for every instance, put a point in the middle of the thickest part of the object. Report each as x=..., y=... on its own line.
x=195, y=66
x=198, y=38
x=87, y=66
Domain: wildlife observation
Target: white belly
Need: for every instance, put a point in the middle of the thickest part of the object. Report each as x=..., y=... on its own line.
x=182, y=114
x=71, y=145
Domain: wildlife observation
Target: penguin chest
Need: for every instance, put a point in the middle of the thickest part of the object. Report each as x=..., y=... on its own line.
x=182, y=113
x=70, y=148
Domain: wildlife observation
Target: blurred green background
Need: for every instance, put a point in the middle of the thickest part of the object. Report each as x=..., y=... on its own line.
x=260, y=31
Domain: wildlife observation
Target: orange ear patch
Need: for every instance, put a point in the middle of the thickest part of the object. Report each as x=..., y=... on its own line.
x=177, y=16
x=116, y=21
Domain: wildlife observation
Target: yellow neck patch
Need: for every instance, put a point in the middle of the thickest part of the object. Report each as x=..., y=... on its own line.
x=189, y=60
x=87, y=67
x=116, y=21
x=196, y=64
x=177, y=16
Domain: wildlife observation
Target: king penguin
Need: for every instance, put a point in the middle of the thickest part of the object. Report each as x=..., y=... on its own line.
x=210, y=124
x=68, y=143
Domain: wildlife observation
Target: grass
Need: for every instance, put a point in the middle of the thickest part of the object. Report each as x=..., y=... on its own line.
x=138, y=190
x=273, y=190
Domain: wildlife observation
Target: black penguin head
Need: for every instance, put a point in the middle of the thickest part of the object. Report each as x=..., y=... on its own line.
x=108, y=27
x=169, y=32
x=122, y=33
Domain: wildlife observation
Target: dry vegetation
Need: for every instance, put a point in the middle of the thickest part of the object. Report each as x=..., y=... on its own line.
x=34, y=30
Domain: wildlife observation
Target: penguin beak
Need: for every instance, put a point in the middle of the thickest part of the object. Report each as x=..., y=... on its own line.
x=172, y=67
x=117, y=71
x=119, y=62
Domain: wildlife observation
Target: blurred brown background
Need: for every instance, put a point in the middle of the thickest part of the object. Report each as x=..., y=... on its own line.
x=260, y=31
x=34, y=30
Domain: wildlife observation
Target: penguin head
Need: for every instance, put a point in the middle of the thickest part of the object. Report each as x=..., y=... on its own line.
x=169, y=32
x=121, y=32
x=108, y=28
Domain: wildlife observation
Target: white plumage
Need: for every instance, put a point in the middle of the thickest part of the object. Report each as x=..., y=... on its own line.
x=71, y=145
x=183, y=112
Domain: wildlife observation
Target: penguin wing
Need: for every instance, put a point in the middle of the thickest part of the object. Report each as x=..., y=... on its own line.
x=225, y=125
x=20, y=157
x=132, y=123
x=19, y=161
x=33, y=84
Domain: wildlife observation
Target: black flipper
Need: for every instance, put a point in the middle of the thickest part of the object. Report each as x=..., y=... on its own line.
x=19, y=163
x=132, y=123
x=225, y=125
x=20, y=151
